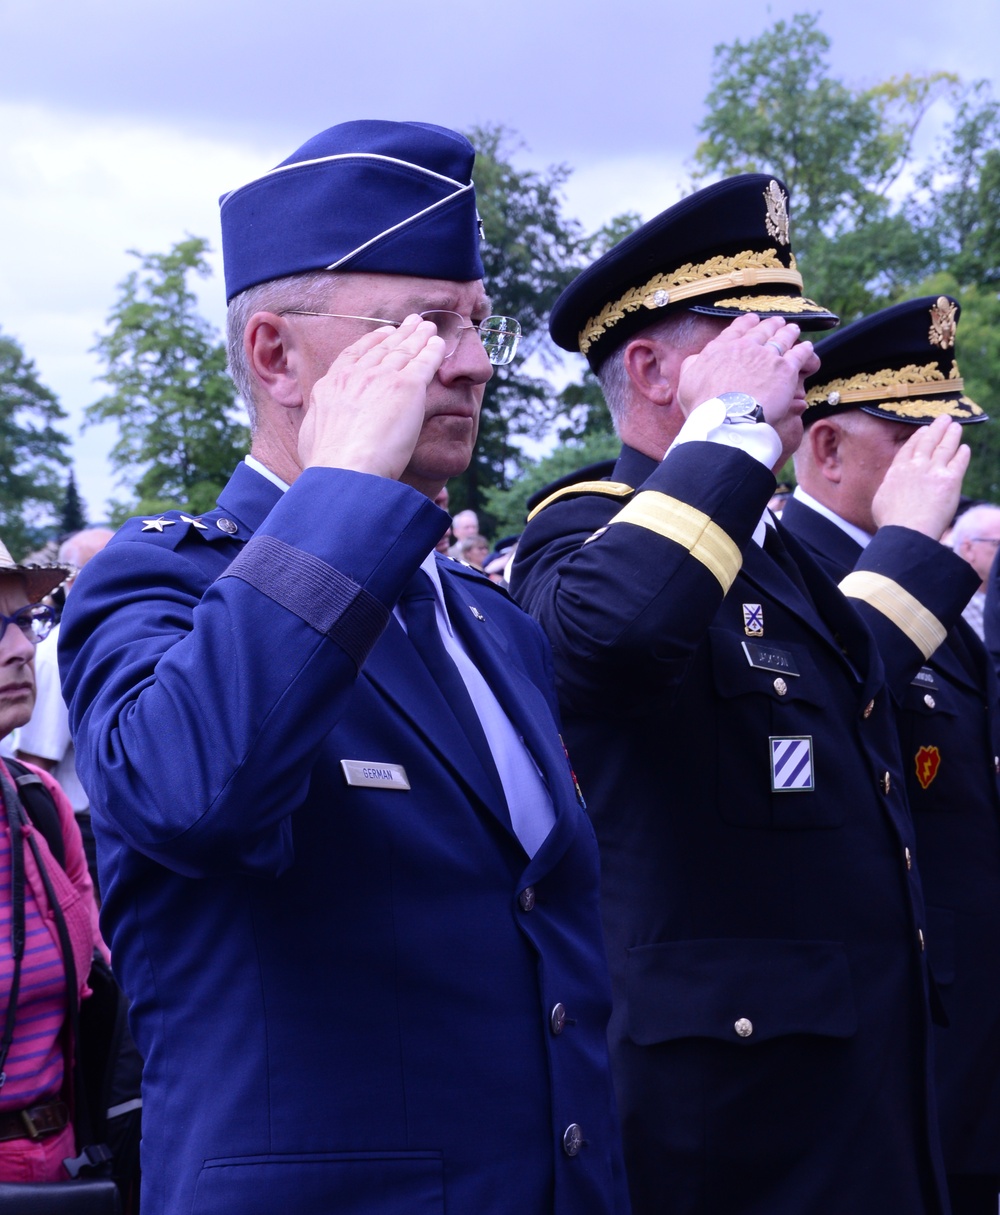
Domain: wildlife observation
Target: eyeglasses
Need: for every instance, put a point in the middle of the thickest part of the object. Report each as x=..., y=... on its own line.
x=35, y=621
x=499, y=334
x=994, y=540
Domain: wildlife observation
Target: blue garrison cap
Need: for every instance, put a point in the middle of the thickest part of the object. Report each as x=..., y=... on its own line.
x=897, y=364
x=367, y=196
x=722, y=251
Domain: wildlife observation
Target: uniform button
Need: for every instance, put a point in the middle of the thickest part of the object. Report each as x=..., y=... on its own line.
x=557, y=1018
x=227, y=526
x=780, y=686
x=868, y=709
x=920, y=938
x=572, y=1139
x=527, y=898
x=885, y=783
x=909, y=858
x=744, y=1027
x=996, y=763
x=929, y=701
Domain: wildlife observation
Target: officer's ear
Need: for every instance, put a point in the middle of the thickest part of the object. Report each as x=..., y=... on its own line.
x=825, y=439
x=267, y=342
x=652, y=367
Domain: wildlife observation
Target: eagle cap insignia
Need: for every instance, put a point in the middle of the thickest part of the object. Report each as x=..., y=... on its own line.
x=943, y=324
x=776, y=219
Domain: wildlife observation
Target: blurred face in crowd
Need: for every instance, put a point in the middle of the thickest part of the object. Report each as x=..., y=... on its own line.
x=476, y=552
x=980, y=549
x=17, y=659
x=465, y=524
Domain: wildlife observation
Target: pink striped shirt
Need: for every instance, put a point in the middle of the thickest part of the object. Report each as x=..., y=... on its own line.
x=35, y=1064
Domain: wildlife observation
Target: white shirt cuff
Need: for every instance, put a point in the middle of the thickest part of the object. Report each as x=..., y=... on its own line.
x=705, y=424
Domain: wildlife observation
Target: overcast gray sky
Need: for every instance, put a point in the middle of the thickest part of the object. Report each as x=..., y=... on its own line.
x=122, y=122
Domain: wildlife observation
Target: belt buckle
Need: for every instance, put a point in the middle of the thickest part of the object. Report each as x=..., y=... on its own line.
x=50, y=1119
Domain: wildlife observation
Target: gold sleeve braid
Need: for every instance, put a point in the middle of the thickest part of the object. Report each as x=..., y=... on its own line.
x=907, y=613
x=688, y=527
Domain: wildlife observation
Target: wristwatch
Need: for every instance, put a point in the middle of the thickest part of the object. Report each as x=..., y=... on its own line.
x=741, y=408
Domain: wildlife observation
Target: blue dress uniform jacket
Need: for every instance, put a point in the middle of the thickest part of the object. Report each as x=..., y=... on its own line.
x=765, y=923
x=351, y=996
x=948, y=734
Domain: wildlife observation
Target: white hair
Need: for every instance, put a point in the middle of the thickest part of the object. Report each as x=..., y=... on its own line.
x=970, y=522
x=311, y=291
x=682, y=330
x=78, y=549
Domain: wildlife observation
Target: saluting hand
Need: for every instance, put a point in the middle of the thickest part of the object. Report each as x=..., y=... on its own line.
x=922, y=485
x=366, y=413
x=761, y=357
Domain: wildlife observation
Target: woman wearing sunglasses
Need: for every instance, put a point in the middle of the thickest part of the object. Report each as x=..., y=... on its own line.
x=36, y=1131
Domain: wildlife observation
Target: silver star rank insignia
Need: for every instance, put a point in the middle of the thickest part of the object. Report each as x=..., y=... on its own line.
x=157, y=525
x=195, y=523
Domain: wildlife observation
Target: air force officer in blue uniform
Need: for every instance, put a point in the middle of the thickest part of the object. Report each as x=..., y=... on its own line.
x=349, y=883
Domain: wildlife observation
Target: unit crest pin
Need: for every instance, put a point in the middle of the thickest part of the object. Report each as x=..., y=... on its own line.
x=753, y=619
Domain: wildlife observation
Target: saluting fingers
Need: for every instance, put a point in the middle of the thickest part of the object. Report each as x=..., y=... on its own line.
x=398, y=345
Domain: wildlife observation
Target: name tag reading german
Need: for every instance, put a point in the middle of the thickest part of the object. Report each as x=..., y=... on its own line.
x=367, y=774
x=767, y=658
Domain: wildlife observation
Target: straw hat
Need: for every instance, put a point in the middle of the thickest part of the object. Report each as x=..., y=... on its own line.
x=40, y=580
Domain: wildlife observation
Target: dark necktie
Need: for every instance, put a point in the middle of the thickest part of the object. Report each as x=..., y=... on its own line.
x=418, y=603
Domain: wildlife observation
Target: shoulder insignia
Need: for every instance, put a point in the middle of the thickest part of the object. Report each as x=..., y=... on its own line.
x=610, y=489
x=927, y=761
x=175, y=527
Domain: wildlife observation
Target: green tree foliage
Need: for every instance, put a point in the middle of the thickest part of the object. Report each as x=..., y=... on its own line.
x=861, y=244
x=531, y=251
x=957, y=202
x=174, y=404
x=775, y=108
x=582, y=411
x=508, y=505
x=72, y=517
x=32, y=452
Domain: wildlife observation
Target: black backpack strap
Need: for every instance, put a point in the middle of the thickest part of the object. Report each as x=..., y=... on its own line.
x=40, y=807
x=94, y=1157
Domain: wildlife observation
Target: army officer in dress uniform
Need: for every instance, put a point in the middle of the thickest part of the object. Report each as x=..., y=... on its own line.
x=350, y=887
x=880, y=378
x=728, y=715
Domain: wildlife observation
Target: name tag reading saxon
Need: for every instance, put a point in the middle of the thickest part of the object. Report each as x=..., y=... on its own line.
x=767, y=658
x=368, y=774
